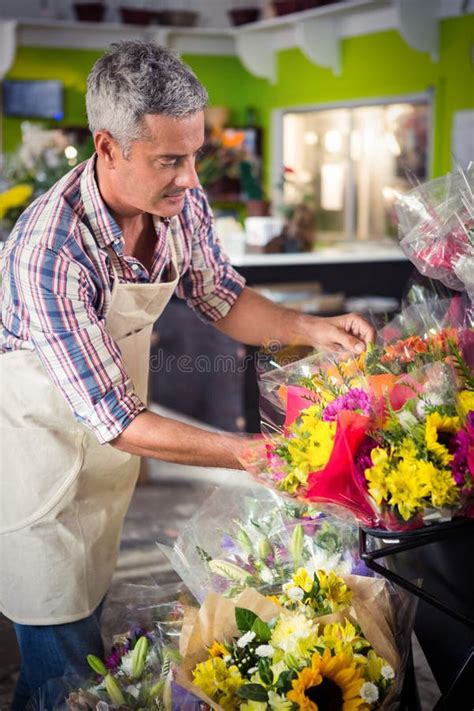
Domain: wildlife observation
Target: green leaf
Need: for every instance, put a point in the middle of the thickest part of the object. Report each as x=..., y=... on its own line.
x=262, y=630
x=284, y=680
x=253, y=692
x=264, y=671
x=319, y=650
x=244, y=619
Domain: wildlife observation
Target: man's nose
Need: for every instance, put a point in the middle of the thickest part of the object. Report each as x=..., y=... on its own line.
x=187, y=176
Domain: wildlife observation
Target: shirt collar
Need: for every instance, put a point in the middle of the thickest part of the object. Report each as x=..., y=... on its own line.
x=103, y=225
x=105, y=228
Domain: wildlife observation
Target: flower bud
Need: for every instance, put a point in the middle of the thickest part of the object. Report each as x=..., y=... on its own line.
x=156, y=691
x=264, y=548
x=139, y=657
x=96, y=664
x=114, y=691
x=297, y=543
x=244, y=540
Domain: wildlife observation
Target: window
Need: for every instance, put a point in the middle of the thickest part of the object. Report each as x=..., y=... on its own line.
x=348, y=164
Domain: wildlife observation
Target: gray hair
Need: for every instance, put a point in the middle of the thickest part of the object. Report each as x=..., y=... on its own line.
x=135, y=78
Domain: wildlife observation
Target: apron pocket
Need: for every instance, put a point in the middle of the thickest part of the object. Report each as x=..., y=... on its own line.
x=37, y=468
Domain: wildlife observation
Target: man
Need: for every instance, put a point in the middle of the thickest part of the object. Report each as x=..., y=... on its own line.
x=87, y=270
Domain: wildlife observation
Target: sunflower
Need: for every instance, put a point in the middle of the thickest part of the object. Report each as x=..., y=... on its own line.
x=438, y=428
x=465, y=402
x=329, y=684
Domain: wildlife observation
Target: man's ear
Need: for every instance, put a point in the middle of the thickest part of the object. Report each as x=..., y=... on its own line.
x=107, y=149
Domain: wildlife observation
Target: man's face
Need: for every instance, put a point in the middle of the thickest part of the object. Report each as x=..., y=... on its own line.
x=158, y=169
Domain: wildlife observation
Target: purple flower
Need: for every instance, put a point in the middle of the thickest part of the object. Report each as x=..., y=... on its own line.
x=462, y=464
x=113, y=660
x=470, y=423
x=362, y=459
x=183, y=700
x=355, y=399
x=228, y=545
x=360, y=568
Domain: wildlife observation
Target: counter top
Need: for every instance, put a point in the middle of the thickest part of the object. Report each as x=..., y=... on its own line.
x=348, y=252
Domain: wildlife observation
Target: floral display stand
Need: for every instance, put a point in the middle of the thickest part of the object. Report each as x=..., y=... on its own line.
x=439, y=556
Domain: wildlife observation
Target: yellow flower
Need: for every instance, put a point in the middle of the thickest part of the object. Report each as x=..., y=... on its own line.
x=343, y=638
x=436, y=423
x=465, y=402
x=330, y=682
x=313, y=441
x=274, y=598
x=407, y=449
x=275, y=702
x=373, y=667
x=217, y=650
x=309, y=448
x=219, y=682
x=444, y=491
x=376, y=475
x=407, y=487
x=294, y=634
x=14, y=197
x=303, y=580
x=254, y=706
x=278, y=703
x=334, y=589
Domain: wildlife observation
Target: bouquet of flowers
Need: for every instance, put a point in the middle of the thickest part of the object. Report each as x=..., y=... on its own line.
x=436, y=226
x=324, y=639
x=259, y=540
x=138, y=671
x=389, y=435
x=136, y=675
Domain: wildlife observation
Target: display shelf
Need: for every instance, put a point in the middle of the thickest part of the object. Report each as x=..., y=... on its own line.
x=349, y=252
x=317, y=32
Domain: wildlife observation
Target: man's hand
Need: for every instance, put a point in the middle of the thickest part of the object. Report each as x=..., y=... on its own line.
x=255, y=320
x=348, y=332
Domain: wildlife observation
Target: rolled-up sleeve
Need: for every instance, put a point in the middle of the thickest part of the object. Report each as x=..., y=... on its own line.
x=210, y=285
x=84, y=362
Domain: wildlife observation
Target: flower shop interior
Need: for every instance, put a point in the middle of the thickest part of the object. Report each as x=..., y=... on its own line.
x=322, y=114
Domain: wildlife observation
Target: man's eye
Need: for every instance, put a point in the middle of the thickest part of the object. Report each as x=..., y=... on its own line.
x=168, y=163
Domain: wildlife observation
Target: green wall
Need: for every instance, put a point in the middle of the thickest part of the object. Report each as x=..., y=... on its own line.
x=374, y=65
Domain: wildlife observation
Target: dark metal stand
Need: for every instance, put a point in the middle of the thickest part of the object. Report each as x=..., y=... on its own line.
x=459, y=695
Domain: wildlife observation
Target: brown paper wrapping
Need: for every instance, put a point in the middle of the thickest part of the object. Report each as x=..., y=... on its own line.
x=372, y=610
x=215, y=620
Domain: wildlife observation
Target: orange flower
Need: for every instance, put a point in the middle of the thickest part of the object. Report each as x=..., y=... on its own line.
x=217, y=650
x=382, y=385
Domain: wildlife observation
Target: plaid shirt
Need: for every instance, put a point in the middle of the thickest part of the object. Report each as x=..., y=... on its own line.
x=57, y=281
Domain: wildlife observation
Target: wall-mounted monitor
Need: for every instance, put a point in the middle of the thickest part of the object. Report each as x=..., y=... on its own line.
x=33, y=99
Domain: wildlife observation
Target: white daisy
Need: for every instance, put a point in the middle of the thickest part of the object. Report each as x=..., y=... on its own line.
x=265, y=650
x=245, y=639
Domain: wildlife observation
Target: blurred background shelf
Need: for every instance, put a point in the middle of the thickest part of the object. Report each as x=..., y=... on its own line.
x=317, y=31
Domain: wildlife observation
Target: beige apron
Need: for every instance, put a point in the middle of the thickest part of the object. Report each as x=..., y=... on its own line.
x=63, y=496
